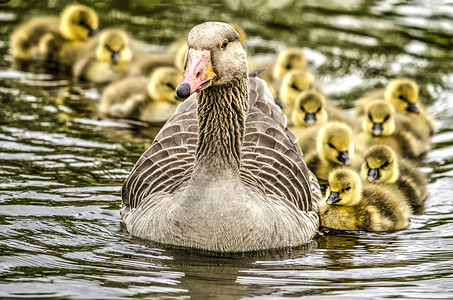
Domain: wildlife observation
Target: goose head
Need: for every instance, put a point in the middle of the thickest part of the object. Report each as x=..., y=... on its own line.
x=379, y=118
x=403, y=94
x=241, y=31
x=344, y=188
x=162, y=84
x=113, y=47
x=309, y=109
x=215, y=57
x=78, y=23
x=334, y=143
x=380, y=165
x=287, y=60
x=295, y=82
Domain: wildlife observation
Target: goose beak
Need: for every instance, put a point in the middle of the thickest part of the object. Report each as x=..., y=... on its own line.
x=343, y=157
x=373, y=174
x=198, y=73
x=333, y=198
x=377, y=129
x=310, y=118
x=412, y=108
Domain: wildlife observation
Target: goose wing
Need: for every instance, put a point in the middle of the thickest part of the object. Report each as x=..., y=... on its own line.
x=271, y=155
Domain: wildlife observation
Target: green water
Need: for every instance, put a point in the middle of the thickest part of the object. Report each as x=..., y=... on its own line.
x=62, y=164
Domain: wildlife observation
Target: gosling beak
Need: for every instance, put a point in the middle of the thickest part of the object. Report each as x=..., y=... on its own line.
x=343, y=157
x=198, y=73
x=377, y=128
x=373, y=174
x=116, y=55
x=310, y=118
x=412, y=108
x=93, y=32
x=333, y=198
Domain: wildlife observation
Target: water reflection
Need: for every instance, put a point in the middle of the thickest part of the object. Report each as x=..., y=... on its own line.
x=63, y=163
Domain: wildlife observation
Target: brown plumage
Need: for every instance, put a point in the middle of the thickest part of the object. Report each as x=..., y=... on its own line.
x=225, y=173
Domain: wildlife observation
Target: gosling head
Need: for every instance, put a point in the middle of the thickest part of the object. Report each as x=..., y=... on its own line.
x=334, y=143
x=162, y=84
x=295, y=82
x=113, y=47
x=78, y=23
x=403, y=94
x=379, y=118
x=215, y=57
x=380, y=165
x=287, y=60
x=345, y=188
x=309, y=109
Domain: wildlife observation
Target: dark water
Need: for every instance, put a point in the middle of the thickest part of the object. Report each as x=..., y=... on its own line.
x=62, y=164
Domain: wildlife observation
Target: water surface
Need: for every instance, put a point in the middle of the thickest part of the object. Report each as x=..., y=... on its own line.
x=62, y=164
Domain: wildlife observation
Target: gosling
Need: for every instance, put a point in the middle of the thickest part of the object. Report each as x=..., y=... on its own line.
x=311, y=109
x=350, y=204
x=53, y=39
x=150, y=99
x=334, y=149
x=107, y=58
x=293, y=83
x=382, y=166
x=378, y=127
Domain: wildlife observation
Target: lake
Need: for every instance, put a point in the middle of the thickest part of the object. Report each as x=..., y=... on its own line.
x=62, y=164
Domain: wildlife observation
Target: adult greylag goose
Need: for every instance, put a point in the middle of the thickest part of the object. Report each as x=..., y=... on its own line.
x=224, y=174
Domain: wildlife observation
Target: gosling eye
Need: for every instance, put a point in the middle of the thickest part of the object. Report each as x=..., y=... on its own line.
x=319, y=109
x=170, y=86
x=295, y=87
x=401, y=97
x=347, y=188
x=302, y=108
x=224, y=44
x=370, y=117
x=108, y=47
x=386, y=118
x=288, y=66
x=367, y=165
x=385, y=165
x=331, y=145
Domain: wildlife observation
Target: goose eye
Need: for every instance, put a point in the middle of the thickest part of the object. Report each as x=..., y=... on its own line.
x=331, y=145
x=288, y=66
x=319, y=109
x=367, y=165
x=370, y=117
x=224, y=44
x=385, y=165
x=401, y=97
x=170, y=86
x=295, y=87
x=302, y=108
x=386, y=118
x=347, y=188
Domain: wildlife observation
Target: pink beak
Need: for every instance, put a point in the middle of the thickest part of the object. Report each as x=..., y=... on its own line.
x=198, y=74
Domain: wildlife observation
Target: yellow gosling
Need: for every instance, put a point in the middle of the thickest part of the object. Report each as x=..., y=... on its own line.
x=383, y=166
x=334, y=148
x=350, y=204
x=54, y=39
x=107, y=58
x=150, y=99
x=378, y=127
